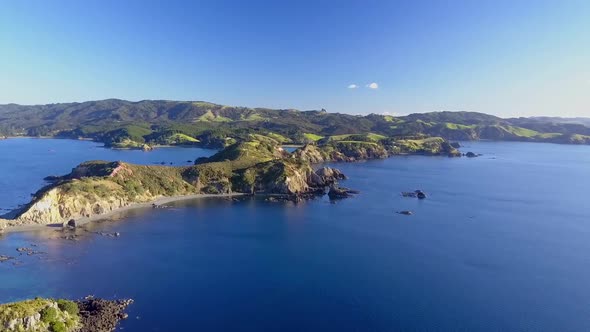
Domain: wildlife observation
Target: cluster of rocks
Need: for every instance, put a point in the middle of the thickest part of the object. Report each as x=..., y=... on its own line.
x=115, y=234
x=281, y=198
x=315, y=184
x=415, y=194
x=472, y=154
x=99, y=315
x=29, y=251
x=325, y=176
x=336, y=192
x=70, y=237
x=22, y=251
x=329, y=177
x=4, y=258
x=72, y=223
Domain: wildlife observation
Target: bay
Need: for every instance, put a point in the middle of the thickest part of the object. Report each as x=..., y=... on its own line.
x=501, y=243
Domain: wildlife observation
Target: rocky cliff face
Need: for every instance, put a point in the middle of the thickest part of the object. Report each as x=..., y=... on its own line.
x=310, y=153
x=282, y=177
x=56, y=206
x=98, y=187
x=340, y=151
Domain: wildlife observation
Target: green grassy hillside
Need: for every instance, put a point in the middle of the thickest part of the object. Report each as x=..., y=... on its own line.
x=121, y=123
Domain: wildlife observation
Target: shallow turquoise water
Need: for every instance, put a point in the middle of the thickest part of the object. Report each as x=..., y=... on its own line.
x=501, y=243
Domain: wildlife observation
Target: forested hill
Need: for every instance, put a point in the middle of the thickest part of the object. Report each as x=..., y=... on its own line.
x=121, y=123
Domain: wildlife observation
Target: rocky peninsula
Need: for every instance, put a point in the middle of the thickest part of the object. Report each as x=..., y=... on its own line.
x=256, y=166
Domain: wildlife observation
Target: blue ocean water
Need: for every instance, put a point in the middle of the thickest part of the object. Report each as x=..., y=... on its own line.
x=24, y=162
x=501, y=243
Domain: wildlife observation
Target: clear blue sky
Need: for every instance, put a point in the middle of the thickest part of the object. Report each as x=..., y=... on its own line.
x=501, y=57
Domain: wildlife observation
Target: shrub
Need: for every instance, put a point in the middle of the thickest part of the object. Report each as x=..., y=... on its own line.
x=58, y=326
x=48, y=314
x=68, y=306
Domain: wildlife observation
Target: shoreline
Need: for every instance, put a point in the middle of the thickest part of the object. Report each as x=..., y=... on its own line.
x=87, y=139
x=104, y=216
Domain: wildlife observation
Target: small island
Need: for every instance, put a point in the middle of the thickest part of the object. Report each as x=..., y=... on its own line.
x=257, y=165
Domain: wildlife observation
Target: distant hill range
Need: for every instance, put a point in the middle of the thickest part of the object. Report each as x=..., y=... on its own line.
x=550, y=119
x=120, y=123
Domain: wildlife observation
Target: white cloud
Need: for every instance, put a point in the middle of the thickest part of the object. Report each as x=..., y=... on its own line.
x=353, y=86
x=373, y=86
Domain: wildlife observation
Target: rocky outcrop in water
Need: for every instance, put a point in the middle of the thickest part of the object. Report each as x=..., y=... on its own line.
x=471, y=155
x=337, y=192
x=416, y=194
x=325, y=176
x=98, y=315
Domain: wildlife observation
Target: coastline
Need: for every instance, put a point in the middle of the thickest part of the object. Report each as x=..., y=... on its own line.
x=104, y=216
x=104, y=146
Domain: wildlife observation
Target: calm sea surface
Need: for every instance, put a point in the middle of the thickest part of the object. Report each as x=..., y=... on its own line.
x=501, y=243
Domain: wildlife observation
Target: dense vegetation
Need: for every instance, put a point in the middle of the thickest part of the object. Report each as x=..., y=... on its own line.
x=125, y=124
x=40, y=315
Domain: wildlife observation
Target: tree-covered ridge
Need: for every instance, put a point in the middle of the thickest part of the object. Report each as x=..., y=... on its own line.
x=125, y=124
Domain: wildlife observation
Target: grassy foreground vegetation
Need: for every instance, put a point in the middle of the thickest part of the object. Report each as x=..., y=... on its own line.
x=40, y=315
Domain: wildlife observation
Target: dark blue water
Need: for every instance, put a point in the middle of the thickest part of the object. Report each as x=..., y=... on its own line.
x=502, y=243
